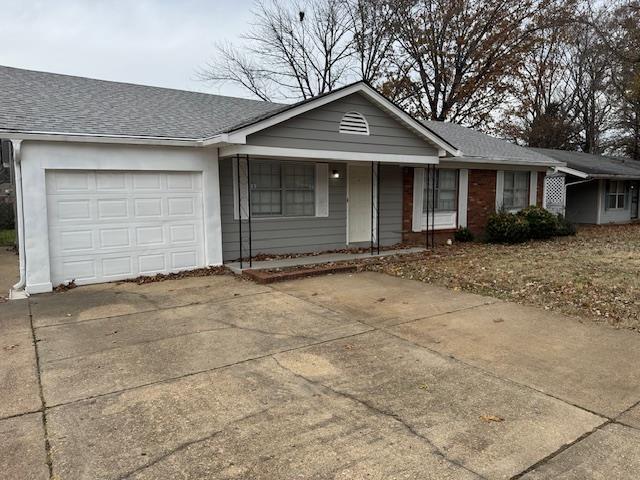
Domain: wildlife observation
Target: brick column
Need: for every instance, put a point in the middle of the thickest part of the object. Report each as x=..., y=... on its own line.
x=407, y=204
x=540, y=191
x=482, y=199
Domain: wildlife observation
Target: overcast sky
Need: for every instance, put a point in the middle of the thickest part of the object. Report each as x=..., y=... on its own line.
x=154, y=42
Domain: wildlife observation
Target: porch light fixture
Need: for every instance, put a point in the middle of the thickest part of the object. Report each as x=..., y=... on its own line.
x=335, y=174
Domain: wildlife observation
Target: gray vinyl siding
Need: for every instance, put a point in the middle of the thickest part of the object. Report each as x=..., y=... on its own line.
x=582, y=203
x=284, y=235
x=318, y=130
x=622, y=215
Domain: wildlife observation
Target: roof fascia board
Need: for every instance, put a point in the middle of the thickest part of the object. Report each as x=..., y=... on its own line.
x=605, y=176
x=91, y=138
x=503, y=162
x=239, y=135
x=258, y=151
x=572, y=171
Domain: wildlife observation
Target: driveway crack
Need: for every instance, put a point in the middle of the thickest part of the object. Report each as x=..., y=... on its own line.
x=380, y=412
x=190, y=443
x=47, y=443
x=557, y=452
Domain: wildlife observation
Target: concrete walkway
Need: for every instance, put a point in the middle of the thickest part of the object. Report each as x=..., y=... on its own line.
x=344, y=376
x=316, y=259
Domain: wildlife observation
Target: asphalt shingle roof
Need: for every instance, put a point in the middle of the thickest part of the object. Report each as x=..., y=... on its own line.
x=595, y=165
x=475, y=144
x=33, y=101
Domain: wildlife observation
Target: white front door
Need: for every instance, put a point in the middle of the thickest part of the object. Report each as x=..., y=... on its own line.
x=359, y=204
x=111, y=225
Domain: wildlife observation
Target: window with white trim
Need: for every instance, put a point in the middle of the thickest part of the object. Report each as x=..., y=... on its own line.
x=445, y=182
x=516, y=190
x=615, y=194
x=282, y=189
x=354, y=123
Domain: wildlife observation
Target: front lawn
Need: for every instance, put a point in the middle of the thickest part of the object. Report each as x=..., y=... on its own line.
x=7, y=238
x=594, y=275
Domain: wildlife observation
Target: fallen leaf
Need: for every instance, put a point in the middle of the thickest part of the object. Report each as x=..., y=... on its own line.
x=491, y=418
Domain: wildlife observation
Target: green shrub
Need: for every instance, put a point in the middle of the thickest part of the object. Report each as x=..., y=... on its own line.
x=505, y=227
x=463, y=235
x=565, y=227
x=542, y=223
x=7, y=238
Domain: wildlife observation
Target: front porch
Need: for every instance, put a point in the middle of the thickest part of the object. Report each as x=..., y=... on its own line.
x=301, y=208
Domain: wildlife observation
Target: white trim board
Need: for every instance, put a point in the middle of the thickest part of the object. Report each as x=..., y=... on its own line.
x=326, y=155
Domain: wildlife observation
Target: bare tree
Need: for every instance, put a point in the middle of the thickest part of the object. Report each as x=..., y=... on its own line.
x=293, y=51
x=621, y=33
x=455, y=57
x=371, y=26
x=590, y=75
x=540, y=112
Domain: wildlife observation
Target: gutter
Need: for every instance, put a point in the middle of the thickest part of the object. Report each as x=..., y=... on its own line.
x=98, y=138
x=18, y=290
x=578, y=182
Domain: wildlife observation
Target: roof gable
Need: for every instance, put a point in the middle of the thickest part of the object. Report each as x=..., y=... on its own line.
x=238, y=133
x=319, y=129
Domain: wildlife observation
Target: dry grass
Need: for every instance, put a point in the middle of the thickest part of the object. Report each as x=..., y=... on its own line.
x=594, y=275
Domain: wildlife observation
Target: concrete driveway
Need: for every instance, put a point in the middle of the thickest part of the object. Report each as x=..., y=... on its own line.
x=358, y=376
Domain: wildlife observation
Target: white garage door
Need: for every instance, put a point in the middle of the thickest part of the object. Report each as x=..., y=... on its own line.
x=107, y=225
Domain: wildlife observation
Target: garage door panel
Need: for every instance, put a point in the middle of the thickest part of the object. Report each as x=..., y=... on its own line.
x=181, y=181
x=179, y=206
x=152, y=263
x=150, y=235
x=111, y=181
x=114, y=238
x=148, y=207
x=184, y=260
x=69, y=182
x=112, y=209
x=100, y=233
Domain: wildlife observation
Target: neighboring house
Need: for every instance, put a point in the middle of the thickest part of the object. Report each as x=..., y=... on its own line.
x=597, y=189
x=118, y=180
x=7, y=194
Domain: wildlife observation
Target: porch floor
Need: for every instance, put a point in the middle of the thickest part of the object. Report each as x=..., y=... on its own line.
x=315, y=259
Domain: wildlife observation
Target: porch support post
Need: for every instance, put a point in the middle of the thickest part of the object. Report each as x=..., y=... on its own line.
x=426, y=230
x=239, y=208
x=433, y=209
x=378, y=205
x=372, y=224
x=249, y=212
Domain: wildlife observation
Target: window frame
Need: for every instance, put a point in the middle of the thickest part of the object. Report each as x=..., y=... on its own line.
x=513, y=190
x=427, y=196
x=617, y=194
x=283, y=189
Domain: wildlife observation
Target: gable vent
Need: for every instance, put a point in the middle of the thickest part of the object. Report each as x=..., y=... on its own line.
x=354, y=123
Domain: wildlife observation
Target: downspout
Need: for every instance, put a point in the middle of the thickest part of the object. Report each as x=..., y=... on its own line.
x=18, y=290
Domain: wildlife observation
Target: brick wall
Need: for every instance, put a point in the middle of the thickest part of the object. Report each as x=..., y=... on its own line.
x=482, y=199
x=540, y=191
x=407, y=204
x=481, y=204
